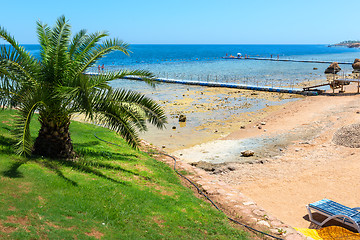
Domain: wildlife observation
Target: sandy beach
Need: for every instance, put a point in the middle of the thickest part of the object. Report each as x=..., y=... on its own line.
x=302, y=165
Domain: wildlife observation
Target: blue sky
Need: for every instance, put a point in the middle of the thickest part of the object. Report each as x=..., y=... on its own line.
x=193, y=21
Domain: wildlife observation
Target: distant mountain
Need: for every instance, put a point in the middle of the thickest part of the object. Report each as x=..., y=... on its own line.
x=349, y=44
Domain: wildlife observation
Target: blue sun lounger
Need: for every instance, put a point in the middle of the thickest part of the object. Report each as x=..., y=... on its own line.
x=335, y=211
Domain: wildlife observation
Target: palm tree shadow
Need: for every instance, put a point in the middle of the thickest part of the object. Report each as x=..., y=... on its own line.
x=55, y=164
x=112, y=167
x=6, y=141
x=86, y=166
x=83, y=150
x=7, y=144
x=7, y=128
x=55, y=168
x=101, y=156
x=87, y=144
x=13, y=171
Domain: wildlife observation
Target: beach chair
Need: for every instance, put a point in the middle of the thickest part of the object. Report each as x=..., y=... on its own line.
x=335, y=211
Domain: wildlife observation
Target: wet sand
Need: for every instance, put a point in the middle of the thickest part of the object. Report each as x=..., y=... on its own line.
x=211, y=113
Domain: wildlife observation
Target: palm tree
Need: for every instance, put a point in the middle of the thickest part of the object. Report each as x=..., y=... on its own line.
x=55, y=85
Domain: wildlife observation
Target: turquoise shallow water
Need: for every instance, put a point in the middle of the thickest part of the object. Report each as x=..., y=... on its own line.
x=204, y=62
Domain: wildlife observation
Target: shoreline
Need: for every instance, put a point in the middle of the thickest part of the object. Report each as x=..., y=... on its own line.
x=212, y=113
x=309, y=166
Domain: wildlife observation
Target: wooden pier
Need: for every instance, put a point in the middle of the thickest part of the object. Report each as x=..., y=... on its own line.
x=336, y=84
x=284, y=60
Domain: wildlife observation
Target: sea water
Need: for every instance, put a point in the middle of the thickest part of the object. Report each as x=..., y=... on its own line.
x=205, y=63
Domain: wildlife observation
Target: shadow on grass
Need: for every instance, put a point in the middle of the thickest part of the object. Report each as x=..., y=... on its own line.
x=7, y=128
x=13, y=171
x=80, y=165
x=112, y=167
x=82, y=151
x=85, y=166
x=55, y=164
x=6, y=141
x=55, y=168
x=88, y=144
x=6, y=145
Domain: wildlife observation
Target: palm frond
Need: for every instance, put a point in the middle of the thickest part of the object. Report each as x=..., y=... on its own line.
x=16, y=70
x=10, y=40
x=144, y=75
x=88, y=43
x=9, y=92
x=79, y=91
x=111, y=118
x=124, y=111
x=154, y=114
x=14, y=66
x=15, y=49
x=59, y=42
x=118, y=117
x=106, y=77
x=76, y=41
x=22, y=124
x=99, y=51
x=43, y=31
x=78, y=95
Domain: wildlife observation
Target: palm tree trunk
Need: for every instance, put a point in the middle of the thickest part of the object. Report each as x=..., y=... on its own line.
x=54, y=140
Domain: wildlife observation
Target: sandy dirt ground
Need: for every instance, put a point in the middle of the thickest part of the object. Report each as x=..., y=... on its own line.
x=303, y=164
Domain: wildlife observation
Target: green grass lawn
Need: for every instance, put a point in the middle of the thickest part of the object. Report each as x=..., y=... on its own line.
x=110, y=192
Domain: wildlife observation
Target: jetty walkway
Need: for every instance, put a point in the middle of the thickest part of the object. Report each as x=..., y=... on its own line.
x=307, y=92
x=284, y=60
x=234, y=85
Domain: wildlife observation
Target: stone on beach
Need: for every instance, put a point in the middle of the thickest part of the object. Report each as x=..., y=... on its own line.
x=204, y=165
x=356, y=65
x=263, y=223
x=231, y=167
x=247, y=153
x=182, y=118
x=333, y=68
x=348, y=136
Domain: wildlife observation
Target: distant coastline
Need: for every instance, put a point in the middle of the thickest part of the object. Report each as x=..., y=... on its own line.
x=349, y=44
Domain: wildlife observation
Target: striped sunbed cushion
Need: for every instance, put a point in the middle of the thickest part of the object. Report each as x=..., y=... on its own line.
x=332, y=208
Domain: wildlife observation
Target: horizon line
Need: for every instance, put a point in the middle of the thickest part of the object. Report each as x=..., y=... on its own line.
x=210, y=43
